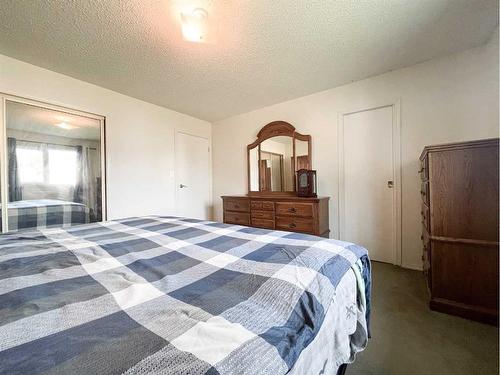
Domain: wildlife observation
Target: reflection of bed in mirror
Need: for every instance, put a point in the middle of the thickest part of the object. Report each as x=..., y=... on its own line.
x=44, y=213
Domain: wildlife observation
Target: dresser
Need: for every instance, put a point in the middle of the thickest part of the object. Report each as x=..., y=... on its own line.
x=290, y=213
x=459, y=189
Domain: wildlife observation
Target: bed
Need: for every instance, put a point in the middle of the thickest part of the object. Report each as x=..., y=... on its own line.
x=42, y=213
x=166, y=295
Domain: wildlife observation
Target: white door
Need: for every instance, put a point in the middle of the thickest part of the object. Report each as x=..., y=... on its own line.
x=369, y=214
x=192, y=165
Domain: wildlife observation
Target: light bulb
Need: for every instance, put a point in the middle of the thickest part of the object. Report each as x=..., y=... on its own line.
x=194, y=25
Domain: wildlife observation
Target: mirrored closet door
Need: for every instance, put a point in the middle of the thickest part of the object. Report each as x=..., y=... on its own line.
x=53, y=166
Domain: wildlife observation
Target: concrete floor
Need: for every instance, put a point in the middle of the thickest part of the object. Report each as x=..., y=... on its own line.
x=408, y=338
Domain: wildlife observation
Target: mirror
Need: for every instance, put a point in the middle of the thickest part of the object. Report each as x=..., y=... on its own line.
x=275, y=156
x=253, y=157
x=303, y=159
x=276, y=172
x=54, y=167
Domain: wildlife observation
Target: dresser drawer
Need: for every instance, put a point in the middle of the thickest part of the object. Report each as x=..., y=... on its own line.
x=426, y=260
x=425, y=216
x=424, y=170
x=240, y=205
x=263, y=215
x=295, y=224
x=425, y=236
x=237, y=218
x=294, y=209
x=262, y=205
x=424, y=191
x=262, y=223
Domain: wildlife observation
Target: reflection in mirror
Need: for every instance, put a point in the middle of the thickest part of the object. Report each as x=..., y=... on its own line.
x=276, y=167
x=54, y=167
x=302, y=153
x=253, y=157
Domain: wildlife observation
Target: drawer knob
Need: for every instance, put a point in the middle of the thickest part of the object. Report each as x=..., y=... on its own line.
x=292, y=225
x=292, y=209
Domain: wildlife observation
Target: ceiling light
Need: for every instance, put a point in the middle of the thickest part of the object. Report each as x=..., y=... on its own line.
x=194, y=25
x=65, y=125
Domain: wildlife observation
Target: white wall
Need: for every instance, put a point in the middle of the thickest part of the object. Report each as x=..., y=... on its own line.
x=449, y=99
x=139, y=135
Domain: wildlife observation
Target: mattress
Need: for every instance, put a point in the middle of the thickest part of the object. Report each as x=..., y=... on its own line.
x=331, y=347
x=166, y=295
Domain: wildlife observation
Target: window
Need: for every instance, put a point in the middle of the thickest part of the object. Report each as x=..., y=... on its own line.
x=62, y=167
x=30, y=165
x=47, y=164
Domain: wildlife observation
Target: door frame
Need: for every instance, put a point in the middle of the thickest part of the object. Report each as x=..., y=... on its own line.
x=176, y=172
x=396, y=158
x=4, y=97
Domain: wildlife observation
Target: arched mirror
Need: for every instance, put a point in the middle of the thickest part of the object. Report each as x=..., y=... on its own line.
x=275, y=156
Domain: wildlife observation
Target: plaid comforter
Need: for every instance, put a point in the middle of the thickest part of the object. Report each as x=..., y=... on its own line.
x=42, y=213
x=166, y=295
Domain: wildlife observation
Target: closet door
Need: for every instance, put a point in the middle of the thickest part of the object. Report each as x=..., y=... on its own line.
x=54, y=169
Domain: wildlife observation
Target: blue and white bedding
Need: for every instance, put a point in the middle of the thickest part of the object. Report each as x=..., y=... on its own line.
x=163, y=295
x=42, y=213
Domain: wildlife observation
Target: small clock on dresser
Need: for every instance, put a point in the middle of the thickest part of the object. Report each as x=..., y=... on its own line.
x=306, y=183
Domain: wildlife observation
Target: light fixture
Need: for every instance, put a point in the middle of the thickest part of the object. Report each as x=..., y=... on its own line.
x=65, y=125
x=195, y=25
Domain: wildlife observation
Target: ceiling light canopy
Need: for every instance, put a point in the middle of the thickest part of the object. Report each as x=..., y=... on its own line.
x=195, y=25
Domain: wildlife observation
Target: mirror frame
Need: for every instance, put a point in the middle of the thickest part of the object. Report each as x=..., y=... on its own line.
x=274, y=129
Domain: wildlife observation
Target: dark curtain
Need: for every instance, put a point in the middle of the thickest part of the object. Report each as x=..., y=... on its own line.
x=15, y=192
x=78, y=194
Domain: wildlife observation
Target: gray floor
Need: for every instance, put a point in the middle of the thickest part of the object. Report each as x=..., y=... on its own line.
x=408, y=338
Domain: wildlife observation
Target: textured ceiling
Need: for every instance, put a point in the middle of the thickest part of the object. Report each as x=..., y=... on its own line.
x=266, y=51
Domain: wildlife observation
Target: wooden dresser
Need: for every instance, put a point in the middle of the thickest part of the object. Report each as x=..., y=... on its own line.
x=460, y=228
x=290, y=213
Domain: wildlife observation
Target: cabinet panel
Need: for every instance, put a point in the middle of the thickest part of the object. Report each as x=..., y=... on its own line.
x=465, y=273
x=464, y=185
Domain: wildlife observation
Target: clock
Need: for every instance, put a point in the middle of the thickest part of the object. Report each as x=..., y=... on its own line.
x=306, y=183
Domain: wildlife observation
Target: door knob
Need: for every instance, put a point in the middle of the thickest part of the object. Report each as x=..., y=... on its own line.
x=390, y=184
x=182, y=186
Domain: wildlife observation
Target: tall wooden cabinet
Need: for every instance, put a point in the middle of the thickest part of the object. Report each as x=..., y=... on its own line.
x=460, y=227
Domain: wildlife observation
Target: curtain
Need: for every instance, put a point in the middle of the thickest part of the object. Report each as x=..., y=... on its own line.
x=79, y=186
x=15, y=192
x=86, y=184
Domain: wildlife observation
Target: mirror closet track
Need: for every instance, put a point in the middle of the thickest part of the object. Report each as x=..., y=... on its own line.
x=52, y=166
